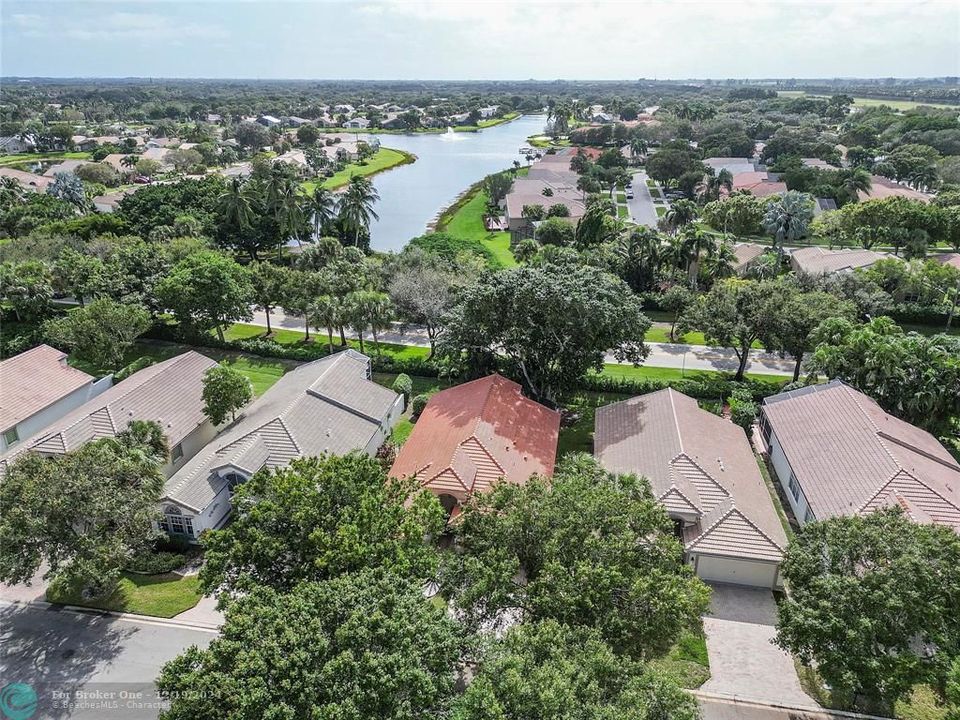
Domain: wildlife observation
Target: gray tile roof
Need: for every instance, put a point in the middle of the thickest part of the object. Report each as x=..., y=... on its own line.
x=326, y=406
x=817, y=260
x=169, y=393
x=700, y=465
x=850, y=456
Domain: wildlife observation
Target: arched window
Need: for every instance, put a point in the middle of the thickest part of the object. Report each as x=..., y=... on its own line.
x=174, y=522
x=233, y=479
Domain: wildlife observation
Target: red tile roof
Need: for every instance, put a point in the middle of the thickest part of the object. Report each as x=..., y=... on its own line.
x=474, y=434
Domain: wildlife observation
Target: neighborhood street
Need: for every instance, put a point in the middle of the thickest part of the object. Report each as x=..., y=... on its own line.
x=642, y=210
x=88, y=666
x=671, y=355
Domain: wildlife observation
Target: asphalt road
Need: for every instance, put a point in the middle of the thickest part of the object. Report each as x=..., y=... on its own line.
x=642, y=209
x=671, y=355
x=717, y=708
x=88, y=667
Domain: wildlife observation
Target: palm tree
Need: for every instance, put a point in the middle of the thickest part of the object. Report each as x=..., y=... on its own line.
x=681, y=213
x=291, y=216
x=638, y=148
x=129, y=161
x=10, y=190
x=855, y=181
x=788, y=217
x=326, y=312
x=720, y=261
x=694, y=242
x=924, y=178
x=323, y=206
x=235, y=206
x=356, y=206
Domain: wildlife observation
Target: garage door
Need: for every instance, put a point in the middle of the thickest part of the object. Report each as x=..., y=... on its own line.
x=737, y=572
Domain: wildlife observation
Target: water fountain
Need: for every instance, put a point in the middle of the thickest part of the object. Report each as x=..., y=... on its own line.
x=450, y=135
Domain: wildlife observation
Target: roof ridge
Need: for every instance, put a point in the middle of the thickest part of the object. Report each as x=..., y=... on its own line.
x=701, y=469
x=919, y=481
x=734, y=509
x=485, y=449
x=676, y=421
x=852, y=394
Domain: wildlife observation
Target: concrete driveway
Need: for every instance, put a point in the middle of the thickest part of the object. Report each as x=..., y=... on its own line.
x=744, y=662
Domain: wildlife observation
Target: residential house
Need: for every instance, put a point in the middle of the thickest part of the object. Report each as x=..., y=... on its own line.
x=64, y=166
x=38, y=387
x=733, y=165
x=488, y=112
x=818, y=164
x=268, y=121
x=601, y=118
x=214, y=118
x=551, y=174
x=27, y=180
x=837, y=452
x=116, y=161
x=747, y=253
x=83, y=143
x=329, y=406
x=357, y=122
x=470, y=436
x=952, y=259
x=154, y=143
x=298, y=159
x=159, y=154
x=701, y=467
x=109, y=202
x=14, y=144
x=168, y=393
x=344, y=108
x=882, y=187
x=817, y=260
x=758, y=183
x=294, y=121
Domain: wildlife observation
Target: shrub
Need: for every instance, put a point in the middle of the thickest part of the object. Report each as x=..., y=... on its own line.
x=418, y=404
x=156, y=563
x=743, y=413
x=403, y=385
x=139, y=364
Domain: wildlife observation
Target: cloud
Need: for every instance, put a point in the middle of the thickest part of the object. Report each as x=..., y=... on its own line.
x=119, y=26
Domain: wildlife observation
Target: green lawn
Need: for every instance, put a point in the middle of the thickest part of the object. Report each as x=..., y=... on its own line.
x=873, y=102
x=623, y=211
x=282, y=336
x=663, y=373
x=467, y=222
x=661, y=210
x=661, y=334
x=383, y=159
x=156, y=595
x=687, y=662
x=20, y=158
x=578, y=436
x=481, y=124
x=421, y=386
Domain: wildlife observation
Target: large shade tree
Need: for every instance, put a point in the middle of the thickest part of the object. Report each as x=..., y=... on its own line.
x=587, y=549
x=873, y=602
x=549, y=324
x=364, y=645
x=319, y=518
x=83, y=514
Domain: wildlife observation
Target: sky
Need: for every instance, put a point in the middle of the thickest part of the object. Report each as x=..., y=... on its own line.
x=479, y=39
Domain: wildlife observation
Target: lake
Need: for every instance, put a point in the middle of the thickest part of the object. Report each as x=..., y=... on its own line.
x=447, y=164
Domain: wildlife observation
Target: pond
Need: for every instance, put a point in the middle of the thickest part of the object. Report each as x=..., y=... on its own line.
x=447, y=164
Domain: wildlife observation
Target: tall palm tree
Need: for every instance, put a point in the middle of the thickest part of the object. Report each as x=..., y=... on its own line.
x=788, y=217
x=638, y=148
x=129, y=161
x=235, y=206
x=855, y=181
x=323, y=206
x=720, y=261
x=326, y=312
x=291, y=218
x=695, y=241
x=924, y=178
x=11, y=191
x=356, y=206
x=681, y=213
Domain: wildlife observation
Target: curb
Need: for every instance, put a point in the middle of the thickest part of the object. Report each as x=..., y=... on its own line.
x=740, y=700
x=132, y=617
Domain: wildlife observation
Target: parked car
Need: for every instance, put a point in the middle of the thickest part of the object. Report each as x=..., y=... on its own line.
x=629, y=194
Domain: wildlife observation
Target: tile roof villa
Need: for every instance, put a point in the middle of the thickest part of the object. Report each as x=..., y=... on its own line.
x=327, y=406
x=168, y=393
x=38, y=387
x=702, y=468
x=472, y=435
x=836, y=452
x=817, y=260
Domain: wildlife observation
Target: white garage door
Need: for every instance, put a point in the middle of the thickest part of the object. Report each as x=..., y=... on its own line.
x=737, y=572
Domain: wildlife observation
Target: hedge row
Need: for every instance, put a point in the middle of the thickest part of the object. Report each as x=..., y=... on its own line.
x=712, y=388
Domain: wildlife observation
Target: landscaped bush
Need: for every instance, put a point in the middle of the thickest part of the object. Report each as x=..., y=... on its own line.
x=713, y=388
x=403, y=385
x=418, y=404
x=156, y=563
x=137, y=365
x=743, y=412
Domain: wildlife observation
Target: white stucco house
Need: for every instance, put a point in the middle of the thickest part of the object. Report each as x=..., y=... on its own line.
x=326, y=406
x=38, y=387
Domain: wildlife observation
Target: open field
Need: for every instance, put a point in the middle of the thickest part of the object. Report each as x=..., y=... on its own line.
x=465, y=220
x=874, y=102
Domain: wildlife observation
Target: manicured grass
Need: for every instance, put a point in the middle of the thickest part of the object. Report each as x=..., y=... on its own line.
x=775, y=497
x=261, y=372
x=481, y=124
x=20, y=158
x=402, y=429
x=661, y=334
x=466, y=221
x=873, y=102
x=932, y=329
x=661, y=210
x=283, y=336
x=687, y=662
x=383, y=159
x=663, y=373
x=578, y=436
x=156, y=595
x=623, y=211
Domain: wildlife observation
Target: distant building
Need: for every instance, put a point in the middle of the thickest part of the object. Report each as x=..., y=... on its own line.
x=14, y=144
x=358, y=122
x=268, y=121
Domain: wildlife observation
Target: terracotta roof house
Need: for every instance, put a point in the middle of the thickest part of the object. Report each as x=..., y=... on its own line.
x=37, y=387
x=168, y=393
x=746, y=254
x=703, y=470
x=817, y=260
x=326, y=406
x=470, y=436
x=27, y=180
x=759, y=184
x=885, y=187
x=837, y=452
